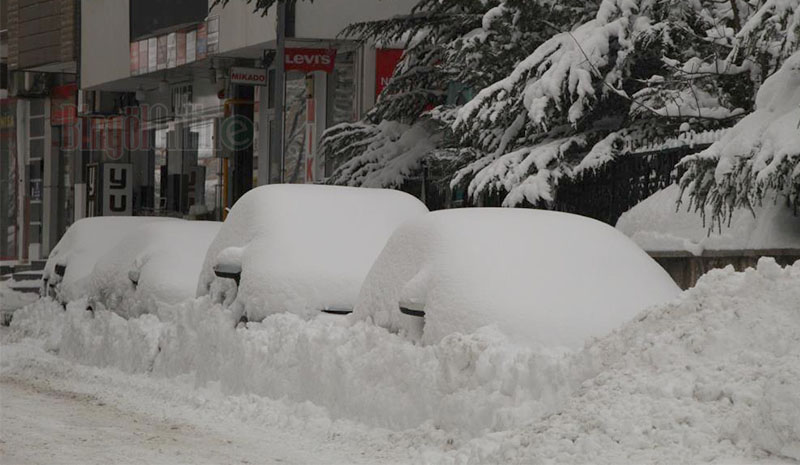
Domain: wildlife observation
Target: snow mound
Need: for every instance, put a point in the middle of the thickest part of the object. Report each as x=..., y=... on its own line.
x=711, y=376
x=164, y=257
x=82, y=245
x=656, y=226
x=305, y=248
x=545, y=279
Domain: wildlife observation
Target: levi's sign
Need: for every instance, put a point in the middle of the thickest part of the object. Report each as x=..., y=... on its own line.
x=248, y=76
x=310, y=59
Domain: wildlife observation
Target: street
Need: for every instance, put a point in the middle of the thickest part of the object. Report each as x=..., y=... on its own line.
x=52, y=412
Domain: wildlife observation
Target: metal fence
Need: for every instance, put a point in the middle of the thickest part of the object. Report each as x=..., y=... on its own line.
x=604, y=193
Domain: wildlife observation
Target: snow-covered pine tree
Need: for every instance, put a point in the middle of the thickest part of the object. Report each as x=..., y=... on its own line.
x=451, y=46
x=639, y=69
x=393, y=137
x=761, y=155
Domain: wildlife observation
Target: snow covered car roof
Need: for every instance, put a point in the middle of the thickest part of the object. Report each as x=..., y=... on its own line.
x=305, y=248
x=545, y=279
x=164, y=258
x=84, y=242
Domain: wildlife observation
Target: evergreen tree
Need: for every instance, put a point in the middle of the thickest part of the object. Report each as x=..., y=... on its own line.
x=639, y=70
x=451, y=47
x=761, y=155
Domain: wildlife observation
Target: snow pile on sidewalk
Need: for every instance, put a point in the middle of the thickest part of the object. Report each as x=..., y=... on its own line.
x=714, y=376
x=11, y=299
x=656, y=226
x=467, y=383
x=711, y=376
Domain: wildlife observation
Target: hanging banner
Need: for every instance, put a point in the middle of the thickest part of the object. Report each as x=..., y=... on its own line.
x=310, y=59
x=386, y=59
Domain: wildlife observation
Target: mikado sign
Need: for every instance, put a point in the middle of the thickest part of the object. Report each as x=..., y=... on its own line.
x=310, y=59
x=248, y=76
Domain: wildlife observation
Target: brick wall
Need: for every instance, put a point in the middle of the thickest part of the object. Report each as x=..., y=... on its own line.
x=41, y=32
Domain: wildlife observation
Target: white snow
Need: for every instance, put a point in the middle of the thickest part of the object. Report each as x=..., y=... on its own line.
x=547, y=280
x=764, y=144
x=165, y=258
x=657, y=224
x=711, y=376
x=82, y=245
x=11, y=299
x=305, y=247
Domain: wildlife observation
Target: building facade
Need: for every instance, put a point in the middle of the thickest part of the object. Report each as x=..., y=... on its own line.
x=41, y=52
x=146, y=107
x=202, y=79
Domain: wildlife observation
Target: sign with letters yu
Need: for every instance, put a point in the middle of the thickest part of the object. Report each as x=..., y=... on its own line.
x=117, y=189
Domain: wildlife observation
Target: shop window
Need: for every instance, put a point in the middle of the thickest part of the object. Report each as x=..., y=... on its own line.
x=295, y=128
x=341, y=92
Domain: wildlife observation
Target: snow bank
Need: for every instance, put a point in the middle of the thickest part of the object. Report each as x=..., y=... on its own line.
x=165, y=257
x=546, y=279
x=11, y=299
x=82, y=245
x=305, y=247
x=714, y=375
x=467, y=384
x=656, y=226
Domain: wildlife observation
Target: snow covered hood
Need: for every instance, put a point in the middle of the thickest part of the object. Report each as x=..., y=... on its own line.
x=545, y=279
x=304, y=248
x=656, y=226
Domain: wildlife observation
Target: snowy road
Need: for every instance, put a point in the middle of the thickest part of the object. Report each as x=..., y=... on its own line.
x=41, y=425
x=52, y=411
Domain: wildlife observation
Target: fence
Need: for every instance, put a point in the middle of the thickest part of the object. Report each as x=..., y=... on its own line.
x=604, y=193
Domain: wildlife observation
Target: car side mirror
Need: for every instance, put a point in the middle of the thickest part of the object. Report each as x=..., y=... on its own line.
x=229, y=271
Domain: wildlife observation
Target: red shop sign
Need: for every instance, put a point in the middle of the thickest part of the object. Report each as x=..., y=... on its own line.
x=386, y=59
x=310, y=59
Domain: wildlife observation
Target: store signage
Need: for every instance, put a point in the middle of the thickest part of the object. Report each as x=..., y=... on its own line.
x=248, y=76
x=386, y=59
x=310, y=59
x=91, y=189
x=175, y=48
x=117, y=189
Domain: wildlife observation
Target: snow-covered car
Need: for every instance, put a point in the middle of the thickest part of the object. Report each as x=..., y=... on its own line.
x=73, y=258
x=544, y=279
x=154, y=263
x=301, y=248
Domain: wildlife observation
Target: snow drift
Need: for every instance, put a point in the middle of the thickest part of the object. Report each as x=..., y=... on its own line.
x=546, y=279
x=304, y=248
x=165, y=257
x=656, y=226
x=82, y=245
x=712, y=376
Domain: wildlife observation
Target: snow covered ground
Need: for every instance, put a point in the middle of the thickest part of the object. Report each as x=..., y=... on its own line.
x=713, y=376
